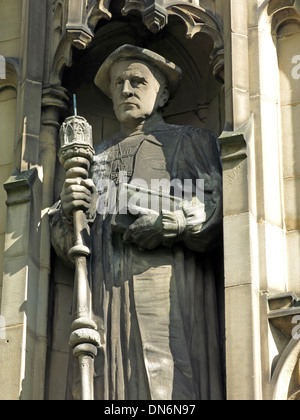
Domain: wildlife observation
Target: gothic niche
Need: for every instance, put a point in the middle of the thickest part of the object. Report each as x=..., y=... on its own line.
x=185, y=35
x=199, y=101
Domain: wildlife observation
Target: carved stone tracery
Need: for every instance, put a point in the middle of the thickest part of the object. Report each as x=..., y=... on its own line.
x=84, y=15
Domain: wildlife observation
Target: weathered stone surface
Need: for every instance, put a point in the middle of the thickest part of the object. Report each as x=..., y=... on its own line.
x=154, y=285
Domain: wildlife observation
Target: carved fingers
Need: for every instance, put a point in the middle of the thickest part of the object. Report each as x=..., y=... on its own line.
x=195, y=215
x=77, y=194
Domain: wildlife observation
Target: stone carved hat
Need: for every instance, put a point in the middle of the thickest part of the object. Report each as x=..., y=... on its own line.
x=172, y=72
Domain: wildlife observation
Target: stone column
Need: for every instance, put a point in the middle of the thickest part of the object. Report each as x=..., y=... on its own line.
x=55, y=103
x=21, y=259
x=24, y=307
x=241, y=292
x=27, y=263
x=16, y=359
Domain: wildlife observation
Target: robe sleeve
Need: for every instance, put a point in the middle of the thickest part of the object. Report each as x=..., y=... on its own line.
x=62, y=234
x=198, y=158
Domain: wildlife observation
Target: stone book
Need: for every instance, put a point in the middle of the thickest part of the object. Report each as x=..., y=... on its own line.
x=132, y=199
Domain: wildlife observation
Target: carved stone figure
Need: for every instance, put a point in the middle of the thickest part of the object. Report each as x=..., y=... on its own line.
x=152, y=269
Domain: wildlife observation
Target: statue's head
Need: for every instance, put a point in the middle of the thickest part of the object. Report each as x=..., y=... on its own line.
x=139, y=82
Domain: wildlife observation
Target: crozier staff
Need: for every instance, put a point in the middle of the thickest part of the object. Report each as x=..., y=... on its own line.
x=154, y=279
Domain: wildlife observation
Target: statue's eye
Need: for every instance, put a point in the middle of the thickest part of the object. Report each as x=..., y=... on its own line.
x=137, y=81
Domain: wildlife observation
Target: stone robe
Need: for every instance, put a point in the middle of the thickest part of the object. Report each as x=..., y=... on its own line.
x=157, y=311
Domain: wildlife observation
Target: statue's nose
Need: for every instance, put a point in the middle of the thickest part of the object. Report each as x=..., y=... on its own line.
x=127, y=89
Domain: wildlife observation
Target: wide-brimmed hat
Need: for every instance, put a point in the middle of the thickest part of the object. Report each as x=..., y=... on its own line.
x=172, y=72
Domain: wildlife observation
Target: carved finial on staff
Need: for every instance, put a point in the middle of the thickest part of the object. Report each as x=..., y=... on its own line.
x=75, y=105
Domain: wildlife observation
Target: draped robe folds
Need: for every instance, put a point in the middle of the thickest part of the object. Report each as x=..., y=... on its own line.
x=157, y=311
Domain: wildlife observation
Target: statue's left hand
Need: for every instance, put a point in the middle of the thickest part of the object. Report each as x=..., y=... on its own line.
x=147, y=231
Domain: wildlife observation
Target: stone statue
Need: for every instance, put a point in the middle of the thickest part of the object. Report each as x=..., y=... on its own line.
x=152, y=270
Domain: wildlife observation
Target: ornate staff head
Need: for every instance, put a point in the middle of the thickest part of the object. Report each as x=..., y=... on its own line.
x=76, y=140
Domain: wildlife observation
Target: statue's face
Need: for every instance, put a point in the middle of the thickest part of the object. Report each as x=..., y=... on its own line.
x=136, y=90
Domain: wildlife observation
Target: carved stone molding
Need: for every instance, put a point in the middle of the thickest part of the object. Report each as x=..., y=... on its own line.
x=284, y=314
x=155, y=15
x=282, y=308
x=82, y=16
x=19, y=187
x=11, y=73
x=234, y=143
x=60, y=46
x=55, y=97
x=74, y=23
x=199, y=20
x=134, y=5
x=282, y=12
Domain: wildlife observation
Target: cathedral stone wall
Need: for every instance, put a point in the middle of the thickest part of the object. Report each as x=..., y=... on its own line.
x=11, y=20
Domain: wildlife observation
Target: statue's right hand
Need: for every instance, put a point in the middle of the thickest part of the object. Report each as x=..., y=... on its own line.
x=77, y=194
